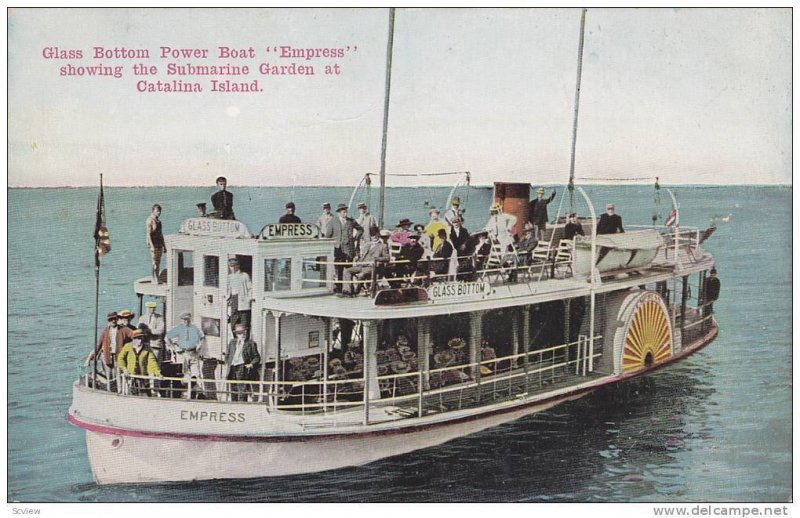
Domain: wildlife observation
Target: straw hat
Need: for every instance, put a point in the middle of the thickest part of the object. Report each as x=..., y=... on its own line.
x=456, y=343
x=400, y=367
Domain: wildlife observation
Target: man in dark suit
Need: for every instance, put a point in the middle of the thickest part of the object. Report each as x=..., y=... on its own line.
x=572, y=228
x=610, y=223
x=459, y=236
x=537, y=212
x=712, y=287
x=222, y=200
x=290, y=216
x=346, y=232
x=243, y=361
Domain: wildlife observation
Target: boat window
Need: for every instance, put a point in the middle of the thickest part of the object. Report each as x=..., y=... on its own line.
x=547, y=325
x=185, y=269
x=277, y=274
x=211, y=271
x=210, y=326
x=498, y=331
x=315, y=271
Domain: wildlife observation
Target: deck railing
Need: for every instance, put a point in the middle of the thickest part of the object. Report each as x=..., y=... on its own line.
x=512, y=267
x=408, y=394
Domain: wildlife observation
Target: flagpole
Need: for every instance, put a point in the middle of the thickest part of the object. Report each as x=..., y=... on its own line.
x=98, y=221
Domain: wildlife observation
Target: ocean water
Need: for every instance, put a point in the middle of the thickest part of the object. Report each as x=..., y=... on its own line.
x=715, y=427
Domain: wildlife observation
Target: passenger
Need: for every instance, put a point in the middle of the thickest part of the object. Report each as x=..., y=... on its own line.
x=442, y=255
x=336, y=370
x=124, y=320
x=345, y=234
x=402, y=236
x=325, y=221
x=239, y=294
x=483, y=248
x=136, y=360
x=222, y=200
x=537, y=212
x=155, y=328
x=110, y=343
x=409, y=257
x=454, y=212
x=527, y=243
x=155, y=240
x=201, y=209
x=424, y=240
x=711, y=292
x=487, y=354
x=402, y=386
x=289, y=217
x=459, y=237
x=610, y=223
x=184, y=339
x=243, y=361
x=375, y=255
x=500, y=227
x=572, y=228
x=434, y=225
x=367, y=221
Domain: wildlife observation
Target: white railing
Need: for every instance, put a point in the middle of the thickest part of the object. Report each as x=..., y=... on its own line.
x=456, y=386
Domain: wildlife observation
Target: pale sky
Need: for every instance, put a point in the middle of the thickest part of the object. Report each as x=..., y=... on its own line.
x=689, y=95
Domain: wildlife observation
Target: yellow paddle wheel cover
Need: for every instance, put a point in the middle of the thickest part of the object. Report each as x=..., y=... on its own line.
x=649, y=339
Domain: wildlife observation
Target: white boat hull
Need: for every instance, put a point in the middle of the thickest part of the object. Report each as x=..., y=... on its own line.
x=120, y=459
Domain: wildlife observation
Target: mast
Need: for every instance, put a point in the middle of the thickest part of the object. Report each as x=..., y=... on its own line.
x=389, y=46
x=575, y=117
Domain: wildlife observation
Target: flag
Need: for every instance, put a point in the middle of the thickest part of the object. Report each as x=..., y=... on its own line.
x=102, y=243
x=672, y=218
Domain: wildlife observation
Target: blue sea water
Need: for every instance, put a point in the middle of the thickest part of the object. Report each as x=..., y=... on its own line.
x=715, y=427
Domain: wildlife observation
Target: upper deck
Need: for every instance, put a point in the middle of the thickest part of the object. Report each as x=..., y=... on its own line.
x=292, y=269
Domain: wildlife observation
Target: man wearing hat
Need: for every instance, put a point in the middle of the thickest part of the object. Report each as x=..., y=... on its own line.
x=500, y=226
x=110, y=343
x=375, y=256
x=289, y=217
x=155, y=240
x=242, y=360
x=610, y=223
x=537, y=212
x=572, y=228
x=325, y=221
x=367, y=221
x=154, y=324
x=239, y=293
x=137, y=360
x=711, y=287
x=201, y=210
x=222, y=200
x=408, y=260
x=124, y=319
x=459, y=236
x=454, y=212
x=185, y=338
x=527, y=243
x=346, y=232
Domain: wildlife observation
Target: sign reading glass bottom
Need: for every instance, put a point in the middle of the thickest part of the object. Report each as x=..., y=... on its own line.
x=449, y=291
